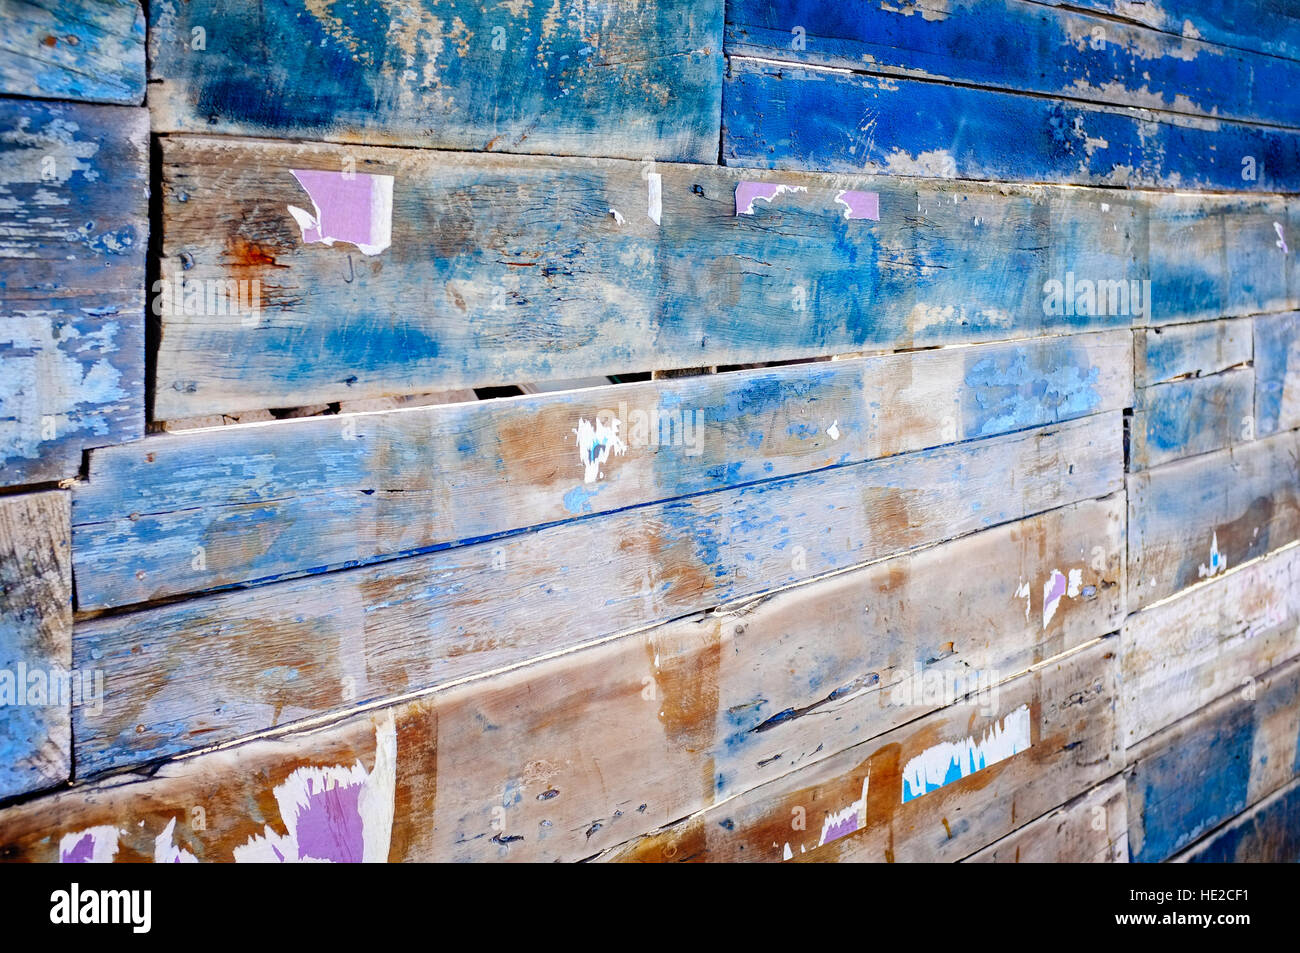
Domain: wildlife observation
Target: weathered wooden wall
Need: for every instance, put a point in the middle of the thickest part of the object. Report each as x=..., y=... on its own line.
x=649, y=431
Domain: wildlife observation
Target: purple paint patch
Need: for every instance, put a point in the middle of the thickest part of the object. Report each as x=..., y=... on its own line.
x=840, y=829
x=82, y=851
x=1056, y=589
x=747, y=193
x=863, y=205
x=329, y=826
x=351, y=207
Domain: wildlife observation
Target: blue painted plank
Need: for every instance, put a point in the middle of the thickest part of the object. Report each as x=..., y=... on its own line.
x=1277, y=373
x=1194, y=393
x=73, y=193
x=1171, y=352
x=1185, y=418
x=1217, y=256
x=35, y=642
x=532, y=278
x=86, y=50
x=1192, y=519
x=619, y=79
x=789, y=117
x=1189, y=788
x=276, y=499
x=1190, y=778
x=1268, y=833
x=1266, y=26
x=1018, y=46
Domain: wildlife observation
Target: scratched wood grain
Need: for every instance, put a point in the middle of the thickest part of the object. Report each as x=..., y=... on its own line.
x=1209, y=641
x=582, y=751
x=288, y=497
x=1018, y=46
x=784, y=116
x=1265, y=26
x=1194, y=391
x=533, y=279
x=1207, y=768
x=852, y=806
x=625, y=78
x=1266, y=833
x=65, y=49
x=1191, y=519
x=1091, y=829
x=213, y=668
x=73, y=230
x=1277, y=373
x=35, y=641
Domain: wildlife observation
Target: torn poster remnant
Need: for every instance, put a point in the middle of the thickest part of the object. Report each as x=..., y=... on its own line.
x=655, y=196
x=596, y=441
x=946, y=762
x=334, y=813
x=863, y=205
x=94, y=845
x=747, y=193
x=352, y=207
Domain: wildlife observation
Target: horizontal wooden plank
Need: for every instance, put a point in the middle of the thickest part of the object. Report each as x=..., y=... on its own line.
x=580, y=752
x=1165, y=354
x=210, y=669
x=534, y=279
x=1266, y=26
x=1064, y=53
x=1187, y=417
x=1190, y=778
x=792, y=117
x=67, y=49
x=1092, y=828
x=1204, y=643
x=73, y=231
x=1277, y=373
x=1050, y=736
x=35, y=642
x=299, y=495
x=1191, y=519
x=544, y=283
x=625, y=79
x=1267, y=833
x=1211, y=257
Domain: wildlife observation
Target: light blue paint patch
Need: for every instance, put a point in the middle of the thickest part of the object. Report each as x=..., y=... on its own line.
x=1013, y=393
x=578, y=500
